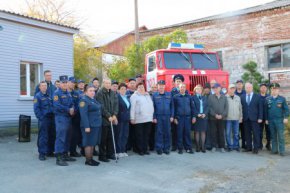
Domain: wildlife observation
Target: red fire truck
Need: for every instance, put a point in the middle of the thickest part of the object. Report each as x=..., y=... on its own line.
x=196, y=65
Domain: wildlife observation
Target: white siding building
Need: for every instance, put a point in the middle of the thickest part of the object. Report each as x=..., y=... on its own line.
x=28, y=47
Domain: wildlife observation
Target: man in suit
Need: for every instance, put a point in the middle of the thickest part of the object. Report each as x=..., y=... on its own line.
x=252, y=116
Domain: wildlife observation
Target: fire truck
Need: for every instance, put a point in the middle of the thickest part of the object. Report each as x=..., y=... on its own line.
x=191, y=60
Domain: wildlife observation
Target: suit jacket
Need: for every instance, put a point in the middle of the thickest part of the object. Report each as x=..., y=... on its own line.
x=196, y=104
x=124, y=112
x=254, y=111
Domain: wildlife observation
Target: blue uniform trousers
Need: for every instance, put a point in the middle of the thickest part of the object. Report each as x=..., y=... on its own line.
x=63, y=125
x=184, y=133
x=162, y=133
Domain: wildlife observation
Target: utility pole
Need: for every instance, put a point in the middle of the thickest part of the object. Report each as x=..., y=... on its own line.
x=136, y=23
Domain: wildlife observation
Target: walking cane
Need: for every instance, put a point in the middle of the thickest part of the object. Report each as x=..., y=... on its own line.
x=112, y=129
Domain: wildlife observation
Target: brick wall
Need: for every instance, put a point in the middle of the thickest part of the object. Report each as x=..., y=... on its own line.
x=240, y=38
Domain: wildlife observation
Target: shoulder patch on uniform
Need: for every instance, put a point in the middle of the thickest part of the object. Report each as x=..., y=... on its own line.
x=82, y=104
x=55, y=98
x=35, y=100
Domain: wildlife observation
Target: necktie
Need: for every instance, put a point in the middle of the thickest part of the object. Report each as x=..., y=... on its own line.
x=248, y=99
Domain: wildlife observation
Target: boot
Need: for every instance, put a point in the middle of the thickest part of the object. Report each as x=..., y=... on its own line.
x=68, y=158
x=91, y=162
x=60, y=161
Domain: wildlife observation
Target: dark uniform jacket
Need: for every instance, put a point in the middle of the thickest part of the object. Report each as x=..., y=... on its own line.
x=196, y=103
x=183, y=105
x=163, y=104
x=124, y=111
x=276, y=108
x=91, y=112
x=109, y=101
x=50, y=89
x=42, y=105
x=62, y=102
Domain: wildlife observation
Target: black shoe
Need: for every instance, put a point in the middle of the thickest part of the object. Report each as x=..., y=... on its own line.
x=167, y=152
x=189, y=151
x=92, y=162
x=141, y=153
x=203, y=150
x=60, y=160
x=103, y=159
x=238, y=150
x=50, y=154
x=159, y=152
x=41, y=157
x=112, y=157
x=75, y=154
x=197, y=149
x=247, y=150
x=274, y=153
x=147, y=153
x=173, y=149
x=268, y=146
x=68, y=158
x=180, y=151
x=95, y=153
x=255, y=151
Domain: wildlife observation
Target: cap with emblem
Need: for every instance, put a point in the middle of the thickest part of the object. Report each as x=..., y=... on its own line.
x=178, y=77
x=207, y=85
x=72, y=79
x=63, y=78
x=239, y=81
x=161, y=82
x=115, y=82
x=138, y=76
x=275, y=85
x=216, y=85
x=81, y=81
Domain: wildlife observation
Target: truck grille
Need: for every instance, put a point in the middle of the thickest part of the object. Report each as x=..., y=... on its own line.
x=195, y=80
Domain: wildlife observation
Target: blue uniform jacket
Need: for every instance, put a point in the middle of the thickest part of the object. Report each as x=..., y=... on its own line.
x=62, y=102
x=50, y=89
x=163, y=104
x=183, y=105
x=76, y=99
x=175, y=91
x=42, y=105
x=90, y=112
x=124, y=112
x=254, y=111
x=276, y=108
x=196, y=104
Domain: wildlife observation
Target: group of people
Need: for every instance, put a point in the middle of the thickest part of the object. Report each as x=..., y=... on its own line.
x=123, y=117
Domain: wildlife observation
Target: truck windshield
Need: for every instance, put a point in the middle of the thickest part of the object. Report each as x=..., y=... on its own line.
x=177, y=60
x=203, y=61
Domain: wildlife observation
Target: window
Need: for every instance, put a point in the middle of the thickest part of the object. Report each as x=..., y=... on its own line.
x=152, y=63
x=29, y=78
x=279, y=56
x=203, y=61
x=177, y=60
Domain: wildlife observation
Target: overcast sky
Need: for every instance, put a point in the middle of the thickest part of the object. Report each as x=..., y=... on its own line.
x=108, y=19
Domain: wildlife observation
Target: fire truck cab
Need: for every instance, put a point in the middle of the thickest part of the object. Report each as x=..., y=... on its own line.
x=196, y=65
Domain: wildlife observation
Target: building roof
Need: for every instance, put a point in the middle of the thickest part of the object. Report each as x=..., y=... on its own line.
x=259, y=8
x=22, y=18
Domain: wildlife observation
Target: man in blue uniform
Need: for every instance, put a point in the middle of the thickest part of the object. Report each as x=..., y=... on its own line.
x=50, y=91
x=44, y=112
x=263, y=95
x=162, y=117
x=75, y=135
x=63, y=110
x=81, y=88
x=183, y=118
x=277, y=113
x=177, y=79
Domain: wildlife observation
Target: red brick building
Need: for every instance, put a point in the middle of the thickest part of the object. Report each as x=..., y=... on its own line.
x=260, y=33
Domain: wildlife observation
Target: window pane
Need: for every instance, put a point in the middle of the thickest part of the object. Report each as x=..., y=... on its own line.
x=205, y=61
x=274, y=57
x=286, y=55
x=152, y=64
x=23, y=88
x=33, y=78
x=177, y=60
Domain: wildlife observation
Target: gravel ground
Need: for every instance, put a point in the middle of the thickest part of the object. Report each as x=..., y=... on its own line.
x=22, y=172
